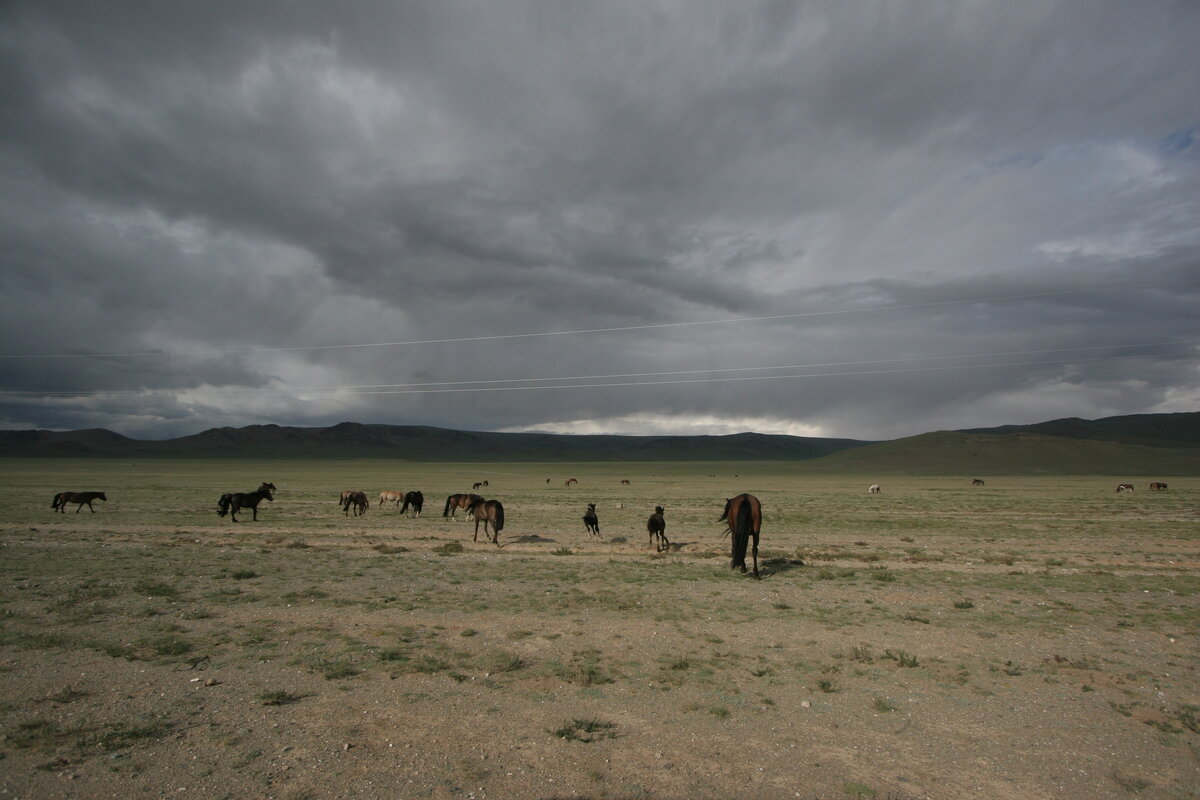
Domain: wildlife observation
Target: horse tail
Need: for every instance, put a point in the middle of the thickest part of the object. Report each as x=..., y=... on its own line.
x=446, y=510
x=224, y=504
x=498, y=522
x=57, y=499
x=742, y=528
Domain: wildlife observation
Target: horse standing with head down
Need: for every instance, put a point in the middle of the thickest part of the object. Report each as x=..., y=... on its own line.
x=488, y=511
x=743, y=515
x=414, y=500
x=656, y=526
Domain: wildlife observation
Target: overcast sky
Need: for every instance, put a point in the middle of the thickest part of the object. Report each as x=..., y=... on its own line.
x=863, y=220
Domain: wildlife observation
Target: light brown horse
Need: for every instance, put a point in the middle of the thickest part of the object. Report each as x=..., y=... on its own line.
x=743, y=515
x=488, y=511
x=395, y=497
x=570, y=481
x=82, y=498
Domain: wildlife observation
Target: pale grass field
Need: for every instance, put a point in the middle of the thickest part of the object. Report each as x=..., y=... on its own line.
x=1032, y=638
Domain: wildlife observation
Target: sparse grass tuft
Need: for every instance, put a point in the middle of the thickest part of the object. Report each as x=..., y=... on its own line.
x=279, y=697
x=586, y=730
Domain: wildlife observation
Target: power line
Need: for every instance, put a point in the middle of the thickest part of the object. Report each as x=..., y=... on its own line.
x=585, y=331
x=459, y=387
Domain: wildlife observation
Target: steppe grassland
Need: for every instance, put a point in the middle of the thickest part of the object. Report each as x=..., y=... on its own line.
x=974, y=598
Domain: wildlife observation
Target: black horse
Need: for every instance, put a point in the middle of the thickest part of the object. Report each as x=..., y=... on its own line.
x=743, y=515
x=488, y=511
x=415, y=500
x=456, y=501
x=82, y=498
x=657, y=527
x=235, y=502
x=357, y=500
x=591, y=521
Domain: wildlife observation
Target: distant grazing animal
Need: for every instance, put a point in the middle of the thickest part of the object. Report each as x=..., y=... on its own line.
x=477, y=485
x=977, y=482
x=591, y=521
x=389, y=496
x=358, y=501
x=233, y=503
x=569, y=481
x=743, y=515
x=456, y=501
x=415, y=501
x=547, y=480
x=656, y=526
x=625, y=481
x=874, y=488
x=82, y=498
x=1125, y=487
x=488, y=511
x=1158, y=487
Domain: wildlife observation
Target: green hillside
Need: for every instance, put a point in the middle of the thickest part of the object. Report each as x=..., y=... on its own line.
x=981, y=455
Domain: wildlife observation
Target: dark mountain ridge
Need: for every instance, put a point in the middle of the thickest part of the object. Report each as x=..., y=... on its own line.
x=1165, y=444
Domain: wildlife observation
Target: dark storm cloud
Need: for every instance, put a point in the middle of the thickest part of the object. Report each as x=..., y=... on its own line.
x=226, y=185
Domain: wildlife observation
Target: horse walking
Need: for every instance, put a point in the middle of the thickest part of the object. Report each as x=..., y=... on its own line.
x=415, y=501
x=388, y=496
x=656, y=526
x=358, y=501
x=743, y=515
x=82, y=498
x=591, y=521
x=456, y=501
x=488, y=511
x=236, y=501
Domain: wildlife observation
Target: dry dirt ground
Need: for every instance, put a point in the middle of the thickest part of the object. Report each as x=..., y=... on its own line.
x=1034, y=639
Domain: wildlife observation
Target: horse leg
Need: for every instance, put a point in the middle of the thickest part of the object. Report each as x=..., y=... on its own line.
x=90, y=507
x=254, y=509
x=754, y=550
x=475, y=538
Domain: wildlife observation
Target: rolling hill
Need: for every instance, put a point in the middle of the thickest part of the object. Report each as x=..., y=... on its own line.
x=1142, y=444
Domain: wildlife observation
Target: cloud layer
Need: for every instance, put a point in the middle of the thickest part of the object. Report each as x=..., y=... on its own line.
x=862, y=220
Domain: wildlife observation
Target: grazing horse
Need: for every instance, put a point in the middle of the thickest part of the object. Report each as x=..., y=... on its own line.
x=625, y=481
x=456, y=501
x=1125, y=487
x=82, y=498
x=488, y=511
x=233, y=503
x=977, y=482
x=570, y=481
x=477, y=485
x=591, y=521
x=414, y=500
x=389, y=496
x=656, y=526
x=1158, y=487
x=874, y=488
x=743, y=515
x=357, y=500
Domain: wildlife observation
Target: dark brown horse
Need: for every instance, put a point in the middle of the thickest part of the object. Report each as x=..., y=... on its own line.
x=591, y=521
x=456, y=501
x=977, y=482
x=235, y=502
x=656, y=526
x=1158, y=486
x=358, y=501
x=743, y=515
x=1125, y=487
x=415, y=501
x=82, y=498
x=488, y=511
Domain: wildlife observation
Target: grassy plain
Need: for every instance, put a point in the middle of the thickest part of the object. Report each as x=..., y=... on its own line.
x=1031, y=638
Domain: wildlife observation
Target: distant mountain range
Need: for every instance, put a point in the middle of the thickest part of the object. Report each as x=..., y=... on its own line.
x=1141, y=444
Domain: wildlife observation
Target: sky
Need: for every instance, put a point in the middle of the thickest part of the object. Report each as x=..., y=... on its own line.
x=865, y=220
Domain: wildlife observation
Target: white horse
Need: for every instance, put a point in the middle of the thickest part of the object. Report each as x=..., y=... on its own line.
x=874, y=489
